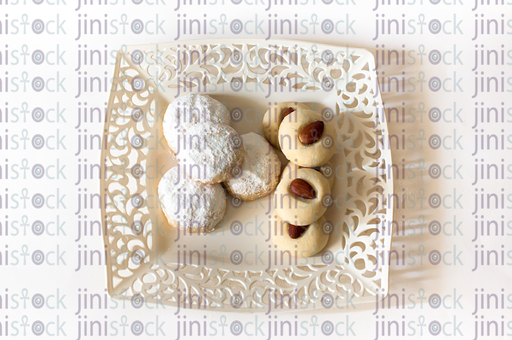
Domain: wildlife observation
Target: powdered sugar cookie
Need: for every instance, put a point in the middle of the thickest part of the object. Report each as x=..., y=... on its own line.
x=273, y=117
x=191, y=205
x=301, y=241
x=260, y=170
x=189, y=110
x=327, y=170
x=211, y=153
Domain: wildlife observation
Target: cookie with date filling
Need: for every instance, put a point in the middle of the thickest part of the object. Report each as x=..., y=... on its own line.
x=211, y=152
x=188, y=110
x=259, y=174
x=191, y=205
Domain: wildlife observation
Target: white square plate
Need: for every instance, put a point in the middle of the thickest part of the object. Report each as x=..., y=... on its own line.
x=149, y=261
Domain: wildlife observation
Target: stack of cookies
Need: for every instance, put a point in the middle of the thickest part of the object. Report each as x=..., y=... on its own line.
x=211, y=155
x=304, y=192
x=213, y=158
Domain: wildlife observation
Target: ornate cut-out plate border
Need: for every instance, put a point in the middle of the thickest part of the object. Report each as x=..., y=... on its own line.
x=143, y=73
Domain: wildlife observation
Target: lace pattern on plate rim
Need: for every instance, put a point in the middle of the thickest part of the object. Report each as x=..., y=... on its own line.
x=131, y=113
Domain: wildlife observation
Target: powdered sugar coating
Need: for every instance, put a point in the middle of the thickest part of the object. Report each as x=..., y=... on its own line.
x=211, y=152
x=260, y=170
x=191, y=205
x=189, y=110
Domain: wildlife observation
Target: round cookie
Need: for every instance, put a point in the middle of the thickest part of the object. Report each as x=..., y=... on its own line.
x=290, y=171
x=211, y=153
x=313, y=238
x=298, y=210
x=260, y=170
x=273, y=117
x=191, y=205
x=189, y=110
x=321, y=138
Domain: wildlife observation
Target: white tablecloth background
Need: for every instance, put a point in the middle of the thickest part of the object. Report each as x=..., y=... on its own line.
x=414, y=279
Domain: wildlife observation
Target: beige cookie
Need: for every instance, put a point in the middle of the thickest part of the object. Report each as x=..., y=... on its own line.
x=273, y=117
x=327, y=170
x=211, y=153
x=315, y=197
x=189, y=110
x=312, y=239
x=307, y=139
x=191, y=205
x=259, y=173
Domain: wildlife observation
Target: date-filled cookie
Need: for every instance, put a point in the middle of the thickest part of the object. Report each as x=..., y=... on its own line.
x=259, y=174
x=304, y=199
x=211, y=153
x=301, y=241
x=273, y=117
x=307, y=139
x=191, y=205
x=189, y=110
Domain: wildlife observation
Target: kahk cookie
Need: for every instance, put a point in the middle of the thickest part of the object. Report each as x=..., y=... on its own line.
x=327, y=170
x=189, y=110
x=307, y=139
x=259, y=173
x=210, y=153
x=304, y=199
x=301, y=241
x=273, y=117
x=191, y=205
